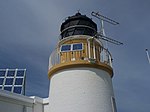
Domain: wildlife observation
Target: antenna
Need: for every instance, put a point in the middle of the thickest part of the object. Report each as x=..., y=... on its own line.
x=101, y=34
x=104, y=18
x=108, y=39
x=147, y=53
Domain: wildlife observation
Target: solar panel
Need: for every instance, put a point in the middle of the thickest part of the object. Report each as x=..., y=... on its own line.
x=7, y=88
x=9, y=81
x=13, y=80
x=1, y=81
x=2, y=73
x=20, y=73
x=17, y=89
x=19, y=81
x=11, y=73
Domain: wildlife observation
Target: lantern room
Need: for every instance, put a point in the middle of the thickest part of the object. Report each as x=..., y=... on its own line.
x=78, y=25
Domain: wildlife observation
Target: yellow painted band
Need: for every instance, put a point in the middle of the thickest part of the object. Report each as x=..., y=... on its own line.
x=80, y=63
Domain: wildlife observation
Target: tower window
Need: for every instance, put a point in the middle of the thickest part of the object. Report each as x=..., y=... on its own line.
x=71, y=47
x=65, y=48
x=77, y=46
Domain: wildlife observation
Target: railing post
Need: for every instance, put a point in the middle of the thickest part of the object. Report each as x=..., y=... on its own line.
x=94, y=50
x=89, y=49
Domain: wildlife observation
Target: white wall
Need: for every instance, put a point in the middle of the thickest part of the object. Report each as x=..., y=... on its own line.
x=10, y=102
x=81, y=90
x=10, y=107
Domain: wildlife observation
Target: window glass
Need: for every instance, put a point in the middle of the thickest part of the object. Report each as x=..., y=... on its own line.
x=75, y=22
x=84, y=22
x=11, y=73
x=7, y=88
x=77, y=46
x=17, y=90
x=70, y=31
x=1, y=81
x=2, y=73
x=79, y=31
x=0, y=87
x=66, y=47
x=19, y=81
x=9, y=81
x=65, y=26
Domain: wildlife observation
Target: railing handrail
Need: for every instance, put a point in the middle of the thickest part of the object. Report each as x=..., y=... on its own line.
x=105, y=57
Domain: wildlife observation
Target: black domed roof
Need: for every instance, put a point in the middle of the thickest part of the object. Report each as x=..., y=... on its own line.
x=78, y=25
x=78, y=19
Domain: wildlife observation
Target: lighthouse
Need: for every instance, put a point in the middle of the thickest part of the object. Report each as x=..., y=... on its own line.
x=80, y=69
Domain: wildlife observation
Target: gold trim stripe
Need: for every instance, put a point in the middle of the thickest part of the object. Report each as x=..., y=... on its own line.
x=80, y=63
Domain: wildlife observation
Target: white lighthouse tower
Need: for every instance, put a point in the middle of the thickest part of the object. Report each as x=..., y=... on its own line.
x=80, y=70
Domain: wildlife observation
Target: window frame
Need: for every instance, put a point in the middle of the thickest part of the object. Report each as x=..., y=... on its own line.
x=65, y=50
x=77, y=49
x=71, y=47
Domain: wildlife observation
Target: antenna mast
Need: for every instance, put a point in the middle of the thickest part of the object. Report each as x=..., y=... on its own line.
x=147, y=53
x=101, y=34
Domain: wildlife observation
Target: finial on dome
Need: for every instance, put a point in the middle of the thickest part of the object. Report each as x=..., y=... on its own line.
x=78, y=13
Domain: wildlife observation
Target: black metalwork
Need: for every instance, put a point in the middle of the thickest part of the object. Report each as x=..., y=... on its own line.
x=78, y=25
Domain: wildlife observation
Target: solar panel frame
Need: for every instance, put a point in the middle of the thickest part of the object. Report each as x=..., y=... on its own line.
x=10, y=78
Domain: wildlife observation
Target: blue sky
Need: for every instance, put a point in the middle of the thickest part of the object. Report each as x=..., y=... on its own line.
x=29, y=31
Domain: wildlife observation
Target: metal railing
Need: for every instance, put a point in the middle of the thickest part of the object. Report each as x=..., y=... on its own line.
x=104, y=57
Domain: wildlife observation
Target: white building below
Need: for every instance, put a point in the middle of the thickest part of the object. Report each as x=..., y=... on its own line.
x=11, y=102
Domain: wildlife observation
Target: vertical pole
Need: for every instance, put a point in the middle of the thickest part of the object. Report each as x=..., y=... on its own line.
x=102, y=31
x=147, y=55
